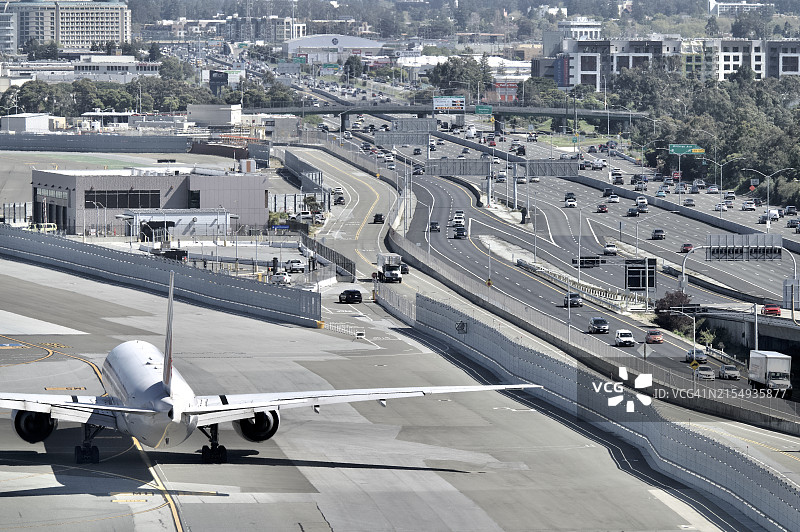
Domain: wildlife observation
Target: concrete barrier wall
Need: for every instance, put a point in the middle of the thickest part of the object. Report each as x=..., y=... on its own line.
x=96, y=143
x=221, y=291
x=677, y=450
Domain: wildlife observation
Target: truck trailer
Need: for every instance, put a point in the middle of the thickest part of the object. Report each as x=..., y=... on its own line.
x=770, y=370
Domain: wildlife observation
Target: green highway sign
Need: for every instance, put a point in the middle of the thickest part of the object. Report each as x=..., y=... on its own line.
x=685, y=149
x=299, y=60
x=483, y=109
x=331, y=66
x=574, y=139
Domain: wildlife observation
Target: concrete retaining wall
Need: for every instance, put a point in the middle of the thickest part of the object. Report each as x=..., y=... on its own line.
x=221, y=291
x=93, y=142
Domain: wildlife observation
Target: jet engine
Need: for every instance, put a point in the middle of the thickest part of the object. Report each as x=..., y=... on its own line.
x=33, y=427
x=261, y=427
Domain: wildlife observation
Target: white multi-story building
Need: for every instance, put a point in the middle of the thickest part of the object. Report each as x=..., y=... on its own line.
x=72, y=24
x=122, y=69
x=731, y=9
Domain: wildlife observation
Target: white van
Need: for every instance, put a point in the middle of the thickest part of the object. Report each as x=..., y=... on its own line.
x=471, y=132
x=303, y=216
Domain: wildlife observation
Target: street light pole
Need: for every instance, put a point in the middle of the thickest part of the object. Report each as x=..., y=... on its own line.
x=768, y=178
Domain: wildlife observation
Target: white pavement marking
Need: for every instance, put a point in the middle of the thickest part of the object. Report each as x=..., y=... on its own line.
x=12, y=324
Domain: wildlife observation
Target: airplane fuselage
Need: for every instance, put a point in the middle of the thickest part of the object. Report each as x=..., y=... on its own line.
x=132, y=374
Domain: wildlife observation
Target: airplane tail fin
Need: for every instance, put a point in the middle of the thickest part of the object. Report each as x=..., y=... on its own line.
x=167, y=379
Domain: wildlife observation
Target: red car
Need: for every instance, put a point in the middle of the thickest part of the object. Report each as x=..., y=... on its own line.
x=602, y=208
x=686, y=248
x=492, y=143
x=654, y=336
x=771, y=309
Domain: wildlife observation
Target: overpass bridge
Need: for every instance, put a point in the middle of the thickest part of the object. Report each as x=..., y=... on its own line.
x=343, y=110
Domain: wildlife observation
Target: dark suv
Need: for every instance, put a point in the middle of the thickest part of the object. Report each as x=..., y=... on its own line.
x=598, y=325
x=350, y=296
x=378, y=219
x=573, y=299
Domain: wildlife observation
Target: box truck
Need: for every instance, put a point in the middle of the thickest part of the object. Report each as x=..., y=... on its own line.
x=770, y=370
x=389, y=268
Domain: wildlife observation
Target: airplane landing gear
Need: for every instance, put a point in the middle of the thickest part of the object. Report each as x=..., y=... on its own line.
x=216, y=454
x=88, y=453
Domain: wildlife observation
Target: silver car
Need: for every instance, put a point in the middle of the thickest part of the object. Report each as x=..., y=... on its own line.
x=729, y=372
x=704, y=373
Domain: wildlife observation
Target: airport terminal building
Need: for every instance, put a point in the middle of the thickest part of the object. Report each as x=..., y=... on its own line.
x=189, y=201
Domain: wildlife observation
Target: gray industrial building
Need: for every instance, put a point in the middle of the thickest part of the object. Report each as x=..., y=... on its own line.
x=189, y=201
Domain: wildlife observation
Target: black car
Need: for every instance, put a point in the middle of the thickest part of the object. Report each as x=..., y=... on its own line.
x=378, y=219
x=573, y=299
x=403, y=268
x=339, y=200
x=417, y=151
x=350, y=296
x=633, y=211
x=460, y=232
x=434, y=227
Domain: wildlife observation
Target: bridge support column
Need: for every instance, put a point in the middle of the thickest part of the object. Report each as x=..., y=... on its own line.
x=344, y=122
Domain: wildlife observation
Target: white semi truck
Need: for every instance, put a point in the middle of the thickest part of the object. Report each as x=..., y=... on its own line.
x=770, y=370
x=389, y=268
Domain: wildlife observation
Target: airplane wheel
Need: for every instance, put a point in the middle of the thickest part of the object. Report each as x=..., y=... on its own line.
x=222, y=455
x=95, y=455
x=206, y=454
x=78, y=454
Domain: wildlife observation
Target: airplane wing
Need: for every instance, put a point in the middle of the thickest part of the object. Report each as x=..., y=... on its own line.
x=220, y=408
x=98, y=410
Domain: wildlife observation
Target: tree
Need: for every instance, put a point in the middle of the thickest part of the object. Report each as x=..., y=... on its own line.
x=712, y=28
x=355, y=66
x=154, y=52
x=111, y=48
x=673, y=321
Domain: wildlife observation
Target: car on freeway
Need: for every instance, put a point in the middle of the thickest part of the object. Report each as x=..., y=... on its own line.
x=633, y=211
x=613, y=198
x=378, y=218
x=598, y=326
x=339, y=200
x=661, y=194
x=338, y=190
x=664, y=189
x=464, y=150
x=781, y=212
x=521, y=179
x=748, y=206
x=417, y=151
x=570, y=195
x=390, y=166
x=730, y=195
x=592, y=149
x=695, y=190
x=461, y=157
x=658, y=234
x=564, y=156
x=643, y=208
x=721, y=207
x=686, y=248
x=726, y=371
x=689, y=202
x=388, y=157
x=610, y=249
x=501, y=179
x=492, y=143
x=771, y=309
x=570, y=203
x=704, y=373
x=624, y=338
x=440, y=142
x=641, y=186
x=434, y=227
x=460, y=232
x=712, y=190
x=758, y=202
x=496, y=160
x=607, y=192
x=793, y=223
x=573, y=299
x=697, y=354
x=350, y=296
x=602, y=208
x=597, y=164
x=403, y=268
x=654, y=336
x=533, y=179
x=280, y=278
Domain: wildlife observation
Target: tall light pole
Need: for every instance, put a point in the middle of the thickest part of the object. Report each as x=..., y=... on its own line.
x=721, y=169
x=428, y=230
x=127, y=219
x=769, y=182
x=694, y=327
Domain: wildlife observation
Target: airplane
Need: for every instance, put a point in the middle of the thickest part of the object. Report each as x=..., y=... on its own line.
x=149, y=400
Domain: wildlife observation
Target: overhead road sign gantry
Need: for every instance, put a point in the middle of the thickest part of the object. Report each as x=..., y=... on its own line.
x=686, y=149
x=449, y=103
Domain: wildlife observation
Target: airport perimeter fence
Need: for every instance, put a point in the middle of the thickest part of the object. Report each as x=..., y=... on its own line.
x=677, y=449
x=222, y=291
x=343, y=264
x=714, y=397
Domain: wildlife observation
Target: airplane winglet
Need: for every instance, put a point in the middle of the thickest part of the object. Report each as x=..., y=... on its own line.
x=167, y=379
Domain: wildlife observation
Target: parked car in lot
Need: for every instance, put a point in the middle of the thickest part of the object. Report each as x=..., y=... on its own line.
x=686, y=248
x=658, y=234
x=729, y=372
x=573, y=299
x=350, y=296
x=624, y=338
x=697, y=354
x=598, y=326
x=610, y=249
x=771, y=309
x=654, y=336
x=704, y=373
